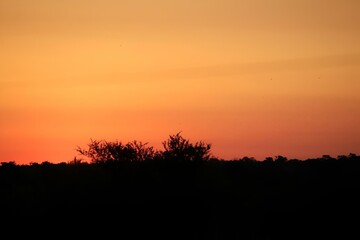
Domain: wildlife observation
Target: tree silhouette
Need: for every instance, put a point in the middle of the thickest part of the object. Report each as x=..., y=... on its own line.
x=217, y=199
x=281, y=159
x=76, y=161
x=101, y=151
x=178, y=148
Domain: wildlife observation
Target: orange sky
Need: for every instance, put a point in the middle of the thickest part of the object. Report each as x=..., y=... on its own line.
x=253, y=77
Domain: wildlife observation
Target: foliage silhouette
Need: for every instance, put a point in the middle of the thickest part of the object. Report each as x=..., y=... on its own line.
x=108, y=152
x=182, y=193
x=177, y=148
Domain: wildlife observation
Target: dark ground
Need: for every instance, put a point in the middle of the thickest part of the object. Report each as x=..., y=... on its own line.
x=312, y=199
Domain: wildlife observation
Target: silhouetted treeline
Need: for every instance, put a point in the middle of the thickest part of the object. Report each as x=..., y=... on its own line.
x=134, y=192
x=176, y=149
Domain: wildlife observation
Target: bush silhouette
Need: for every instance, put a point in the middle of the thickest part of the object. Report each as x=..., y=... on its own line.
x=147, y=198
x=101, y=151
x=177, y=148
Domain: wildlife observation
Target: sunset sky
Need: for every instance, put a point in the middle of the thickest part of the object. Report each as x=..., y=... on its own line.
x=254, y=78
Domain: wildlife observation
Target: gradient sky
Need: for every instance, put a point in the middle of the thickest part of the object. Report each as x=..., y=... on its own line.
x=254, y=78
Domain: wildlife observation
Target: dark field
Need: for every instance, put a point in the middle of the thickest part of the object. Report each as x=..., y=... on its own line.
x=293, y=199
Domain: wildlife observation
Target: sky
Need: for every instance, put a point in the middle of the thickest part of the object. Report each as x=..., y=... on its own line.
x=256, y=78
